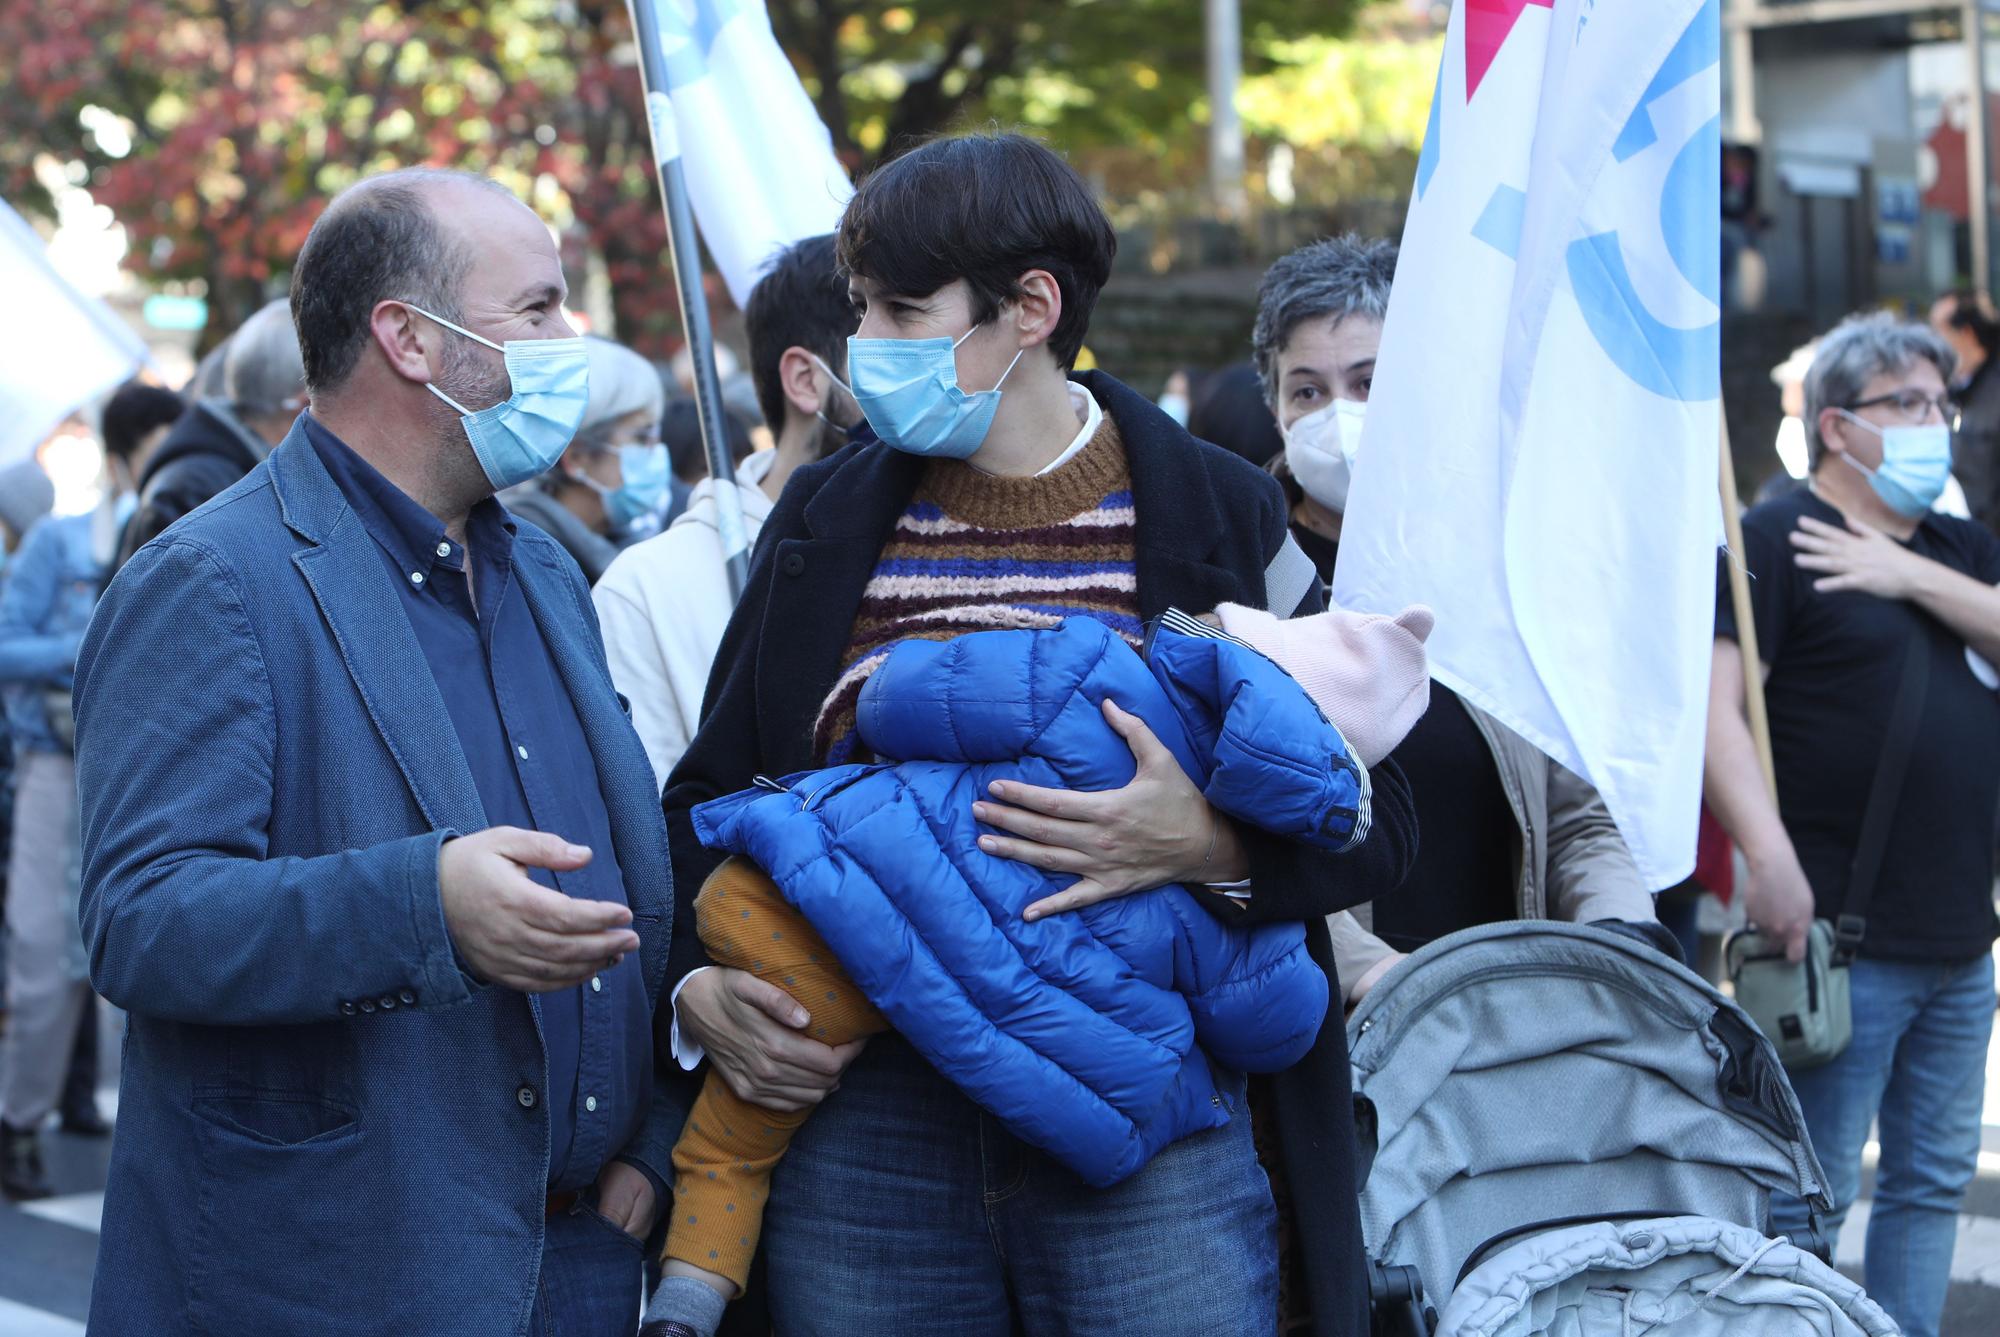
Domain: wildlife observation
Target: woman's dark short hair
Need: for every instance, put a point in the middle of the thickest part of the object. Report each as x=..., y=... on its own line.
x=134, y=410
x=986, y=209
x=801, y=302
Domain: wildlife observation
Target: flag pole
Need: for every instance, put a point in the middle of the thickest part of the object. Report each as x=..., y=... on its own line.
x=687, y=279
x=1746, y=622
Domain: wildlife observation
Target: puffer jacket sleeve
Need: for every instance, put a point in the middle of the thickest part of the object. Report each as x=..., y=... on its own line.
x=1270, y=757
x=997, y=696
x=1257, y=996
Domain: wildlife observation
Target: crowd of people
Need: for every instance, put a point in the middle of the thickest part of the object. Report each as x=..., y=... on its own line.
x=388, y=747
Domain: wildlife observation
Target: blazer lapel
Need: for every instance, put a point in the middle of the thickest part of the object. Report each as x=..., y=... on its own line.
x=623, y=772
x=364, y=611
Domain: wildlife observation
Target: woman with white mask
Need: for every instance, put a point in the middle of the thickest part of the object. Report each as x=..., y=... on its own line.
x=1506, y=833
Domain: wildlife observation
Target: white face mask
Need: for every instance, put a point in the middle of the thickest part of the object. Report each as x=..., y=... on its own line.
x=1320, y=450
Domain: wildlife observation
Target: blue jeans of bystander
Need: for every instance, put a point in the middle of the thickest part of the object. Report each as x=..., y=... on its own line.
x=1916, y=1065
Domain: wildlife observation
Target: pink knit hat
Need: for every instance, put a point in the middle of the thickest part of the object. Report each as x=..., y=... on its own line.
x=1366, y=672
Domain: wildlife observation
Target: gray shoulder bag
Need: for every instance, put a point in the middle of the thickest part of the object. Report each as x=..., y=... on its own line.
x=1804, y=1009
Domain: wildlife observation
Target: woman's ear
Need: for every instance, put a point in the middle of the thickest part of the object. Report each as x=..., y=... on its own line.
x=1038, y=307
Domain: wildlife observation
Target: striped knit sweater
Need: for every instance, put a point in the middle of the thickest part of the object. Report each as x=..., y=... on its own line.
x=975, y=552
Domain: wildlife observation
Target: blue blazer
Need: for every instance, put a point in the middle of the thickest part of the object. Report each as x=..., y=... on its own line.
x=325, y=1125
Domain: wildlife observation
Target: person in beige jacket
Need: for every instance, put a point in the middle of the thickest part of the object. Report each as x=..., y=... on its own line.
x=1505, y=833
x=1569, y=861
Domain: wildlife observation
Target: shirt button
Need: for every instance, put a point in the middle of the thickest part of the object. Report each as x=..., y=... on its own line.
x=526, y=1095
x=520, y=752
x=596, y=984
x=444, y=550
x=416, y=577
x=590, y=1104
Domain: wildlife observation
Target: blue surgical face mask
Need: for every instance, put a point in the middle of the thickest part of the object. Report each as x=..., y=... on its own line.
x=1916, y=465
x=523, y=435
x=644, y=488
x=909, y=391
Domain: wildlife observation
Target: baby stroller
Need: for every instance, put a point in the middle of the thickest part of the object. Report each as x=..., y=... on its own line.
x=1564, y=1131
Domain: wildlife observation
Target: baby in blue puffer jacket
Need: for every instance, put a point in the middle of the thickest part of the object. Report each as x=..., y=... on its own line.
x=1089, y=1034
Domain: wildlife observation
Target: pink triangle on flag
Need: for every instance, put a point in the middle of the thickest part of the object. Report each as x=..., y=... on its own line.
x=1487, y=24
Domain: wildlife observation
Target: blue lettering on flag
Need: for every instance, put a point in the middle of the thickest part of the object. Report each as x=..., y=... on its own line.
x=1700, y=47
x=1499, y=225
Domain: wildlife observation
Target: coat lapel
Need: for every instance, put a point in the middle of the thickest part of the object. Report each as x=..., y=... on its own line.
x=364, y=611
x=1178, y=521
x=817, y=588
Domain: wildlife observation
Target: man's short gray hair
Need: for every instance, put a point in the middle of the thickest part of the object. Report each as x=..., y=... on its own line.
x=1332, y=278
x=262, y=373
x=1858, y=350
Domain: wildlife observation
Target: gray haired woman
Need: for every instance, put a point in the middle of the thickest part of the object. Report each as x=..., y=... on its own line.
x=1506, y=832
x=613, y=478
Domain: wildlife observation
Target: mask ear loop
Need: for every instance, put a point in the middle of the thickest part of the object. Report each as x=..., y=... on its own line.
x=1003, y=375
x=460, y=329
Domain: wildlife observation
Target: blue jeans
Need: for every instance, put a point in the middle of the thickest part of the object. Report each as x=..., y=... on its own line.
x=590, y=1283
x=1917, y=1064
x=903, y=1207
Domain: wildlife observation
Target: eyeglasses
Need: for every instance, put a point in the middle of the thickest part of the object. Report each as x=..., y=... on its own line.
x=1914, y=405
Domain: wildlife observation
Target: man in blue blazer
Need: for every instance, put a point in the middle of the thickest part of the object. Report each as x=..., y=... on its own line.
x=372, y=855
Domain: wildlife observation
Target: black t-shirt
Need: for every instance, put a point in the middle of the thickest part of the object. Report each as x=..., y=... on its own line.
x=1467, y=865
x=1836, y=662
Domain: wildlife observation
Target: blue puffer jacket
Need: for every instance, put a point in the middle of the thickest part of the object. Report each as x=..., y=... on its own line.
x=1088, y=1034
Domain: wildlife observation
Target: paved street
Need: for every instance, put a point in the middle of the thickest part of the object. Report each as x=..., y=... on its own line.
x=47, y=1248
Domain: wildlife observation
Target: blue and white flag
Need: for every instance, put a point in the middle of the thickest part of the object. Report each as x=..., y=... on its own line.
x=59, y=349
x=1539, y=459
x=759, y=161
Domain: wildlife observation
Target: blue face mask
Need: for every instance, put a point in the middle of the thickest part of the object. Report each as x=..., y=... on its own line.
x=523, y=435
x=646, y=476
x=1916, y=466
x=908, y=389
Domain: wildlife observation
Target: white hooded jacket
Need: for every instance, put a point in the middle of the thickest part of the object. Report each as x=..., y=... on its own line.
x=663, y=605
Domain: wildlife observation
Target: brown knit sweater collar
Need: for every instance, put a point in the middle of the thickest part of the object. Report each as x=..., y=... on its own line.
x=988, y=501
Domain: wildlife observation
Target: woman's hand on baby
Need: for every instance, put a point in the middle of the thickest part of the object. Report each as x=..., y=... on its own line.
x=1156, y=830
x=752, y=1032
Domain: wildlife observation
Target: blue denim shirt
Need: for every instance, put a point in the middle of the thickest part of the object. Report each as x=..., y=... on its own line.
x=50, y=590
x=533, y=769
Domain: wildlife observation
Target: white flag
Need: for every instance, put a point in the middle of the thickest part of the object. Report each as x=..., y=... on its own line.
x=759, y=162
x=58, y=350
x=1539, y=460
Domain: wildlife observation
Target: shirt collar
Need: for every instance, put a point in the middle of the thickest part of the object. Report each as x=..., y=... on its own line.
x=1087, y=408
x=413, y=537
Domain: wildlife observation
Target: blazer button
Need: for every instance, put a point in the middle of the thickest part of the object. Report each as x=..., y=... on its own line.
x=793, y=564
x=526, y=1095
x=347, y=1009
x=387, y=1003
x=409, y=999
x=367, y=1005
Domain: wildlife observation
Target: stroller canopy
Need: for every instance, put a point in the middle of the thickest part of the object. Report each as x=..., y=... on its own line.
x=1528, y=1076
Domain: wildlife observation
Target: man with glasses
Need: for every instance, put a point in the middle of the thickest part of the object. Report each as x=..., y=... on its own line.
x=1850, y=578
